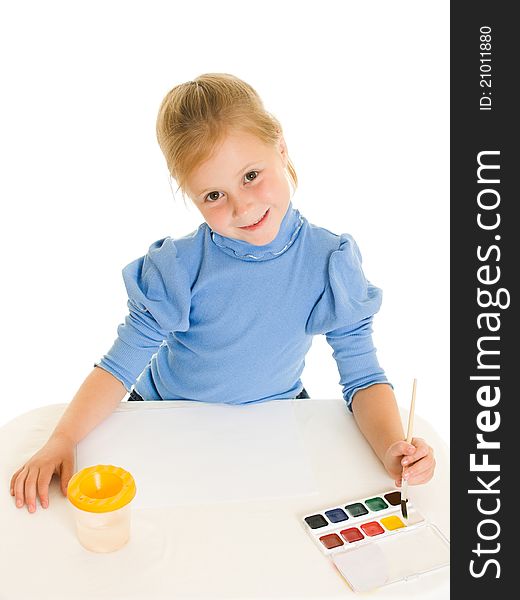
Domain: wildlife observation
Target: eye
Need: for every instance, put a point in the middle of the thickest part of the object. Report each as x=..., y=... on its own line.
x=215, y=196
x=211, y=198
x=250, y=173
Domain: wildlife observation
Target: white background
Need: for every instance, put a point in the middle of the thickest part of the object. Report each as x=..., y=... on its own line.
x=362, y=92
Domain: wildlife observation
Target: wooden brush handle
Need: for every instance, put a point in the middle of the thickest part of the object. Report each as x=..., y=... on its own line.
x=410, y=416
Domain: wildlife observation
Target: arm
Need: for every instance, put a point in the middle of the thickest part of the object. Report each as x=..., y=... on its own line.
x=372, y=400
x=154, y=310
x=345, y=313
x=377, y=416
x=98, y=396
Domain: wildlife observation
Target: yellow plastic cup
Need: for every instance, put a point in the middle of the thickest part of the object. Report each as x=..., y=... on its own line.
x=100, y=497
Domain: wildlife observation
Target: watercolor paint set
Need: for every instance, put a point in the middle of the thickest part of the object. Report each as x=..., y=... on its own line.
x=371, y=544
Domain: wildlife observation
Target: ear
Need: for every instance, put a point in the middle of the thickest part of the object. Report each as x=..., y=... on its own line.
x=282, y=148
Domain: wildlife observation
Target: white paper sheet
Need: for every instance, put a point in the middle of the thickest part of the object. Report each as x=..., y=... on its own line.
x=201, y=453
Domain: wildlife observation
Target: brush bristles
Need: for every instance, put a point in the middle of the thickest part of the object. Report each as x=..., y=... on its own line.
x=404, y=508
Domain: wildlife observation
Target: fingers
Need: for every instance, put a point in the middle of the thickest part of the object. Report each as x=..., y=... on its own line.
x=13, y=480
x=19, y=486
x=419, y=467
x=422, y=471
x=44, y=478
x=66, y=474
x=415, y=461
x=420, y=450
x=402, y=448
x=412, y=454
x=30, y=489
x=26, y=482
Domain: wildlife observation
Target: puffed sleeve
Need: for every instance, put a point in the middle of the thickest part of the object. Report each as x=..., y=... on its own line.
x=158, y=302
x=344, y=314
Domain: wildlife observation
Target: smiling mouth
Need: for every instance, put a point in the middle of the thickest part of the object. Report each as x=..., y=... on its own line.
x=258, y=223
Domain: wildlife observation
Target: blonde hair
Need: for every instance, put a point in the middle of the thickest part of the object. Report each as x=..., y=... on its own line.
x=194, y=117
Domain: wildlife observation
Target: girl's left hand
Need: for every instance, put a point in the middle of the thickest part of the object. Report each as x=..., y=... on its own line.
x=416, y=459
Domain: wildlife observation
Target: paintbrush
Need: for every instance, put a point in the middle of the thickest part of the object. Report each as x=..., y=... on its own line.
x=404, y=482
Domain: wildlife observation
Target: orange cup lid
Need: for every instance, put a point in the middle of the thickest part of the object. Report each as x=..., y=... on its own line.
x=101, y=488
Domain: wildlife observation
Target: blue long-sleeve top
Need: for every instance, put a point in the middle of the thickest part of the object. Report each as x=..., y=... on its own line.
x=214, y=319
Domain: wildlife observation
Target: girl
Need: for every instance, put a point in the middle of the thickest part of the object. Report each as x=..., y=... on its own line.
x=228, y=312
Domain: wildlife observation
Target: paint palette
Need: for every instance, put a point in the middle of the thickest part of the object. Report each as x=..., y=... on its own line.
x=371, y=544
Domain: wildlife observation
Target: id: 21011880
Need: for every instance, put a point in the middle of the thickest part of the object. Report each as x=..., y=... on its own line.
x=485, y=68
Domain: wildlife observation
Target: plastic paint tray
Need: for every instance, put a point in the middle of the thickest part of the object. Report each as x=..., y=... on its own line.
x=371, y=545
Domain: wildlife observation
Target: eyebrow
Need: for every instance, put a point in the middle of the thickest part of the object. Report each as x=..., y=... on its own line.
x=249, y=165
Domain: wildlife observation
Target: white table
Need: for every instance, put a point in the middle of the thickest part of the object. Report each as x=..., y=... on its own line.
x=250, y=550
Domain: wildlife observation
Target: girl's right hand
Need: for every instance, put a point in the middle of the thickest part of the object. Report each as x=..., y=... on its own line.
x=57, y=456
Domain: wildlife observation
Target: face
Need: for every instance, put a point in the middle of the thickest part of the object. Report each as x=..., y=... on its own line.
x=242, y=190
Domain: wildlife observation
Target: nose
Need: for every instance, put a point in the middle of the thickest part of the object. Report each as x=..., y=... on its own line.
x=241, y=204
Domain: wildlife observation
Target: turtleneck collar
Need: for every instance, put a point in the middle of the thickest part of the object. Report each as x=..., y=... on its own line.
x=289, y=229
